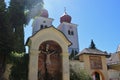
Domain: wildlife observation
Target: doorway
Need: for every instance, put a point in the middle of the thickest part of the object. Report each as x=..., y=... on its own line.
x=97, y=76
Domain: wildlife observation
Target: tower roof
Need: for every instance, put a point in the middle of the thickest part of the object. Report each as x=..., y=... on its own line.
x=65, y=17
x=92, y=51
x=44, y=13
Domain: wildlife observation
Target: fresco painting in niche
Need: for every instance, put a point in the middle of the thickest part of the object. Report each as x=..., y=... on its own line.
x=95, y=62
x=50, y=61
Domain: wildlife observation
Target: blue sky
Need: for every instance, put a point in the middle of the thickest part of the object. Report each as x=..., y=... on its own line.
x=96, y=19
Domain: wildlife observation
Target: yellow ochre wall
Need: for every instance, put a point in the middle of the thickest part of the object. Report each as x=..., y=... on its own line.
x=88, y=69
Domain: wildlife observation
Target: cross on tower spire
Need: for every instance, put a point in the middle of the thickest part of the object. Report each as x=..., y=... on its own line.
x=65, y=10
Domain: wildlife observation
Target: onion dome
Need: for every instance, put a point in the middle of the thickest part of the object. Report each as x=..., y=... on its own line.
x=44, y=13
x=65, y=18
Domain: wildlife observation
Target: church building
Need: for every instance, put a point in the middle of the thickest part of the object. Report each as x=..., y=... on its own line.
x=50, y=47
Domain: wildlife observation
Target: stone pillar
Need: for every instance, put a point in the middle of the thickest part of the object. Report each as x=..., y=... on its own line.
x=33, y=65
x=65, y=66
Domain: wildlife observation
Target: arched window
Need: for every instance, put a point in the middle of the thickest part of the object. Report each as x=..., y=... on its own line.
x=44, y=21
x=72, y=33
x=69, y=32
x=41, y=27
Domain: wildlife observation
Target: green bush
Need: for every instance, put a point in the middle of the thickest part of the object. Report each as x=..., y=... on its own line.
x=81, y=75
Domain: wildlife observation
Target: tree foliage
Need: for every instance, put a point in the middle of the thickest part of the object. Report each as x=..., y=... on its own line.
x=17, y=21
x=81, y=75
x=73, y=55
x=92, y=45
x=19, y=70
x=5, y=35
x=12, y=22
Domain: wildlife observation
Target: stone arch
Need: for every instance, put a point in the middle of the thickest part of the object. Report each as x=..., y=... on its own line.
x=50, y=61
x=34, y=43
x=100, y=74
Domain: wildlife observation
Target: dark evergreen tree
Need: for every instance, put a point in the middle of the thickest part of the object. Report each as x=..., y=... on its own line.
x=17, y=18
x=73, y=55
x=19, y=70
x=5, y=36
x=17, y=21
x=2, y=37
x=92, y=45
x=76, y=56
x=3, y=27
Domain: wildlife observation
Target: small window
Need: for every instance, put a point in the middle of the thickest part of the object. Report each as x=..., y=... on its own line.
x=41, y=27
x=69, y=32
x=72, y=33
x=44, y=21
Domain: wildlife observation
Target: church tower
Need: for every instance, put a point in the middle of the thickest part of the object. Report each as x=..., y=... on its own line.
x=70, y=31
x=42, y=21
x=118, y=49
x=118, y=52
x=47, y=47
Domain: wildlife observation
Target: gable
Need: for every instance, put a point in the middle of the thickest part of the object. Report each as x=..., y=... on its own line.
x=50, y=33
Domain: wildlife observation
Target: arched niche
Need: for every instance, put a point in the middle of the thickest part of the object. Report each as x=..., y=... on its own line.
x=55, y=37
x=50, y=61
x=98, y=75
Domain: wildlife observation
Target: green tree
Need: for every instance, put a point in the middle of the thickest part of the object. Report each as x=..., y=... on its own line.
x=3, y=27
x=5, y=36
x=73, y=55
x=17, y=21
x=19, y=70
x=81, y=75
x=92, y=45
x=2, y=37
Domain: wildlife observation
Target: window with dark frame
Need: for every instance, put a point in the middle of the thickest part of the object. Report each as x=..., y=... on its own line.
x=72, y=33
x=69, y=32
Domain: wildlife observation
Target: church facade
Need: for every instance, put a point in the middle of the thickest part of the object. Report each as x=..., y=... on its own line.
x=50, y=47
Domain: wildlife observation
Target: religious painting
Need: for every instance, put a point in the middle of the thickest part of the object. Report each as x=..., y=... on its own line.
x=95, y=62
x=50, y=61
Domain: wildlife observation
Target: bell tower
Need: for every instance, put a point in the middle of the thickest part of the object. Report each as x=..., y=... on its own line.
x=70, y=31
x=42, y=21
